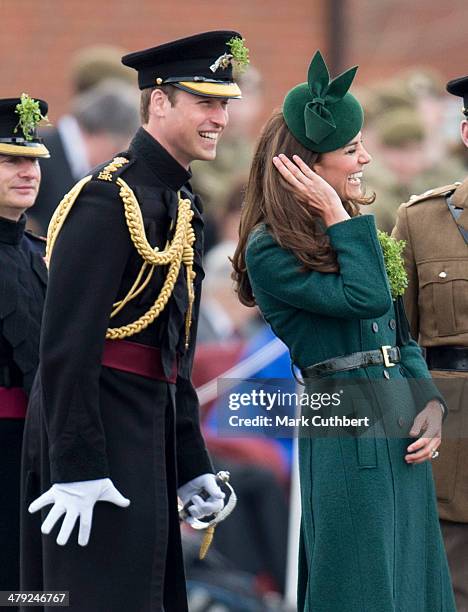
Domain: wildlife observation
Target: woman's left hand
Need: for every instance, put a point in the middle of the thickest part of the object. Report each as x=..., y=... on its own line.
x=311, y=189
x=429, y=422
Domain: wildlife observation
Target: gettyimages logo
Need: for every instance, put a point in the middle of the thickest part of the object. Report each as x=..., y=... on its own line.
x=259, y=398
x=281, y=413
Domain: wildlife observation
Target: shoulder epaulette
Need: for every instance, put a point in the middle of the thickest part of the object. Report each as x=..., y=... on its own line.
x=432, y=193
x=113, y=169
x=34, y=236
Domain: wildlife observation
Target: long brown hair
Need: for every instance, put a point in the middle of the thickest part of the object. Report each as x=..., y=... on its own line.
x=269, y=199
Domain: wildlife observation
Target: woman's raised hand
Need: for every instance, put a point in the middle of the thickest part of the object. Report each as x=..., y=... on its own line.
x=311, y=189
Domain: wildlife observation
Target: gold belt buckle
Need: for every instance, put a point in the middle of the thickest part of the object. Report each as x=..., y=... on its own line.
x=386, y=356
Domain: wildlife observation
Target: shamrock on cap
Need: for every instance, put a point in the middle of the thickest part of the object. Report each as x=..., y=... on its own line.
x=30, y=116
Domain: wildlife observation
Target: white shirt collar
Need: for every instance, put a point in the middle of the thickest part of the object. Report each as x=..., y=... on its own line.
x=74, y=146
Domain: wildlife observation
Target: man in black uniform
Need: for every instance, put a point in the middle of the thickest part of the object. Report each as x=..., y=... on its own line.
x=113, y=411
x=23, y=277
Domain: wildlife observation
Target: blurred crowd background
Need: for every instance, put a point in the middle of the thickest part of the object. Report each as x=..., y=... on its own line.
x=68, y=52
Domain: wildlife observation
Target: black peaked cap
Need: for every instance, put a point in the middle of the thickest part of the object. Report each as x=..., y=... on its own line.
x=459, y=87
x=14, y=142
x=187, y=61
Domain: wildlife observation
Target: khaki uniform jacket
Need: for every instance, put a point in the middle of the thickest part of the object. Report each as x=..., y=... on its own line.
x=436, y=301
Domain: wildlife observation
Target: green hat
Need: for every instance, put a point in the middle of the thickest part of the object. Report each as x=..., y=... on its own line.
x=320, y=113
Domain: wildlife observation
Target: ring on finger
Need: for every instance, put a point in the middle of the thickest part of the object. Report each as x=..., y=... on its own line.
x=434, y=454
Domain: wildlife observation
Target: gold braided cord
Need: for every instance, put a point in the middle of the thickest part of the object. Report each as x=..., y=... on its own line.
x=137, y=234
x=179, y=250
x=188, y=261
x=135, y=289
x=61, y=213
x=118, y=333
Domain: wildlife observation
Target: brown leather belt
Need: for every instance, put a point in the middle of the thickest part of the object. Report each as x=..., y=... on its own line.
x=454, y=358
x=13, y=403
x=387, y=356
x=136, y=358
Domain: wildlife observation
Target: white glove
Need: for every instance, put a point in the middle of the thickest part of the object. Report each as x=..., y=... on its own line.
x=202, y=507
x=76, y=500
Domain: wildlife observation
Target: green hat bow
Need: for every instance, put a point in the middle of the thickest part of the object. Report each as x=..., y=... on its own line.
x=318, y=119
x=321, y=113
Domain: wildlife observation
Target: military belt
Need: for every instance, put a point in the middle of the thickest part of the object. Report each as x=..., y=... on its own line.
x=454, y=358
x=387, y=356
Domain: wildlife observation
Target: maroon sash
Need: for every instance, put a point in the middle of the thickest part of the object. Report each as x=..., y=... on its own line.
x=136, y=359
x=13, y=403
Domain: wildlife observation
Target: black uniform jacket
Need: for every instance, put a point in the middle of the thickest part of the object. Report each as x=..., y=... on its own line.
x=94, y=264
x=23, y=280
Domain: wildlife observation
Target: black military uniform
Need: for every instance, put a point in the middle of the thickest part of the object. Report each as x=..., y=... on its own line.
x=23, y=278
x=120, y=408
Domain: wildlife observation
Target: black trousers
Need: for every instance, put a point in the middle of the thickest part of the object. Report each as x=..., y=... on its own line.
x=133, y=562
x=11, y=436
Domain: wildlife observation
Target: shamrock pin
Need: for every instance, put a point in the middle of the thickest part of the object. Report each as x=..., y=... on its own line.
x=239, y=55
x=392, y=252
x=29, y=116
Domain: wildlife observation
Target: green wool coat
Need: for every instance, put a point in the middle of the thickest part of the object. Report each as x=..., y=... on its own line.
x=370, y=537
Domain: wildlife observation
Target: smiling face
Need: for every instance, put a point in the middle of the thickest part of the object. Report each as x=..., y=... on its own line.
x=190, y=129
x=342, y=169
x=19, y=183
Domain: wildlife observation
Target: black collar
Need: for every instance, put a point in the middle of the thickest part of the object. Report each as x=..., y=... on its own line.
x=11, y=232
x=162, y=164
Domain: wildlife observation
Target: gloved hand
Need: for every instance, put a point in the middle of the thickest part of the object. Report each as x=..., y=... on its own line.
x=202, y=507
x=76, y=500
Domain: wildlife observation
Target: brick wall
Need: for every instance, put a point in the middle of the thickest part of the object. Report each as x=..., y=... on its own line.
x=389, y=35
x=39, y=37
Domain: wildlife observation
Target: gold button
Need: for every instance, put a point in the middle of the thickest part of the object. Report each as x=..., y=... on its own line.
x=442, y=274
x=159, y=81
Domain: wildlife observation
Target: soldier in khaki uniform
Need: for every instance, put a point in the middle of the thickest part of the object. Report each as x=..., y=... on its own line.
x=435, y=227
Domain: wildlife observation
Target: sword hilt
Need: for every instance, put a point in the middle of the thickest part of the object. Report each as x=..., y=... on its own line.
x=222, y=478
